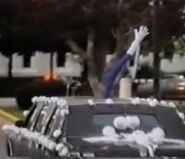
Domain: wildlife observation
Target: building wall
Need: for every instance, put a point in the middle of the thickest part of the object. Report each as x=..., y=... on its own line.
x=39, y=65
x=174, y=65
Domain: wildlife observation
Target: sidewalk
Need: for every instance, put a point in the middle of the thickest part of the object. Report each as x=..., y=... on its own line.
x=8, y=102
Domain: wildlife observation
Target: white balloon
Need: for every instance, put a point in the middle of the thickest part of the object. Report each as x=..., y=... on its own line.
x=135, y=101
x=25, y=113
x=62, y=113
x=163, y=103
x=133, y=122
x=108, y=131
x=91, y=102
x=120, y=122
x=34, y=99
x=158, y=132
x=59, y=147
x=51, y=146
x=171, y=104
x=61, y=102
x=57, y=133
x=156, y=135
x=152, y=103
x=64, y=152
x=109, y=101
x=143, y=140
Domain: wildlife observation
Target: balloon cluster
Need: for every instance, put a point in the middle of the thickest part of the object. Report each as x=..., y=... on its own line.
x=122, y=123
x=152, y=102
x=37, y=138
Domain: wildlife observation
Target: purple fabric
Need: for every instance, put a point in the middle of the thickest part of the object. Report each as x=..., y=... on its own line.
x=111, y=74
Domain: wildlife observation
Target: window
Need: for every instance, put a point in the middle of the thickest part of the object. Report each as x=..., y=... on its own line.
x=41, y=120
x=52, y=123
x=44, y=118
x=93, y=124
x=148, y=122
x=34, y=116
x=55, y=123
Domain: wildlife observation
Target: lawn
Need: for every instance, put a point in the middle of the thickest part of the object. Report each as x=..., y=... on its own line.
x=15, y=112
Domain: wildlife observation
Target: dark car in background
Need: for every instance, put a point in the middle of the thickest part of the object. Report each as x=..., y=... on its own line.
x=172, y=87
x=77, y=127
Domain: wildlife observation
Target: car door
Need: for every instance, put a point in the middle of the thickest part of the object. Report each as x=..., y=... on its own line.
x=38, y=151
x=20, y=146
x=55, y=124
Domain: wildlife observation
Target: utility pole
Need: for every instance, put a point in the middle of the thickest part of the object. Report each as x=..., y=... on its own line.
x=51, y=66
x=156, y=63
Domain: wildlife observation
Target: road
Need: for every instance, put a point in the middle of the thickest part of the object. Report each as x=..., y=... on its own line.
x=2, y=139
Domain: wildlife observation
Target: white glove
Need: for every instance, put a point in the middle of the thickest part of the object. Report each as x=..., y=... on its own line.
x=139, y=36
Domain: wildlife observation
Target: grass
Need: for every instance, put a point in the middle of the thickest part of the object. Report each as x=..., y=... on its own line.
x=14, y=112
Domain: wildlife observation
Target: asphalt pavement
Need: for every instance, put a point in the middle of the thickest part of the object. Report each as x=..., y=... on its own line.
x=2, y=138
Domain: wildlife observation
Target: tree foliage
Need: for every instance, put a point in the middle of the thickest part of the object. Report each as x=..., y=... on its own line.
x=90, y=28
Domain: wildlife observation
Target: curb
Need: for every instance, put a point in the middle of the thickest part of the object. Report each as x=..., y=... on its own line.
x=8, y=116
x=8, y=102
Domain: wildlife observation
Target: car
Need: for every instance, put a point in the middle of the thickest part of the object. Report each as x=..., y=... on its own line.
x=89, y=127
x=40, y=87
x=172, y=87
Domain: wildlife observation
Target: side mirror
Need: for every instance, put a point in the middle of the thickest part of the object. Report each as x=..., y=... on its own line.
x=20, y=123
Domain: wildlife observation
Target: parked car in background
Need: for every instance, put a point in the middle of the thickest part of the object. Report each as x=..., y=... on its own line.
x=172, y=87
x=79, y=127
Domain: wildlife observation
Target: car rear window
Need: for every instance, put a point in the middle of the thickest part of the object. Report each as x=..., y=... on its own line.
x=148, y=122
x=93, y=125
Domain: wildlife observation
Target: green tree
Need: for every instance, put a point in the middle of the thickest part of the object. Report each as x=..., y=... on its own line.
x=90, y=28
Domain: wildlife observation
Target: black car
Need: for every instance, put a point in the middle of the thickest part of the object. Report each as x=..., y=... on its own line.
x=78, y=128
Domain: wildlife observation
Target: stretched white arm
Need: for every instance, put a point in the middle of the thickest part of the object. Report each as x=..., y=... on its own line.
x=139, y=36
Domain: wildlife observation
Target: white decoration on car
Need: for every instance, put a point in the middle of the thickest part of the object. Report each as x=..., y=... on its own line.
x=108, y=131
x=109, y=101
x=64, y=152
x=64, y=112
x=26, y=112
x=163, y=103
x=135, y=101
x=157, y=135
x=34, y=100
x=120, y=123
x=57, y=133
x=62, y=103
x=152, y=103
x=181, y=115
x=138, y=137
x=155, y=100
x=54, y=99
x=91, y=102
x=142, y=99
x=133, y=122
x=51, y=146
x=123, y=123
x=38, y=138
x=59, y=146
x=171, y=104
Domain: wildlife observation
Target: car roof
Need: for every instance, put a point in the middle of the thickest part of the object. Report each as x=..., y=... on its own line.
x=91, y=100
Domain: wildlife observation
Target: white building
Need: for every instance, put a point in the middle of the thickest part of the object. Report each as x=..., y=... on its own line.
x=40, y=65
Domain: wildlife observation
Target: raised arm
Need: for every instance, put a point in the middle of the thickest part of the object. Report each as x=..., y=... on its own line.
x=111, y=74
